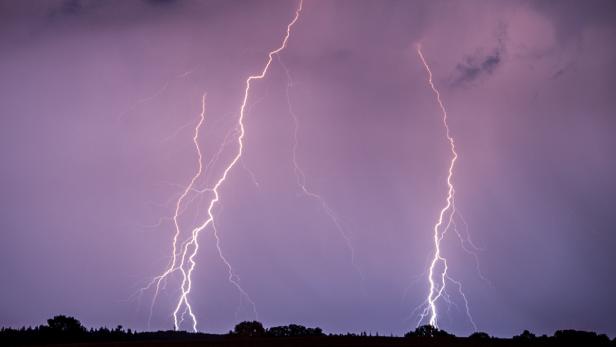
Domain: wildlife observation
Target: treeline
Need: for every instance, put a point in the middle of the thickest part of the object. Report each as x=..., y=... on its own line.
x=63, y=329
x=255, y=329
x=526, y=338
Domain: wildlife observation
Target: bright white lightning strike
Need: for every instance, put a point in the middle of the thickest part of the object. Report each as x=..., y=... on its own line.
x=437, y=272
x=186, y=263
x=156, y=282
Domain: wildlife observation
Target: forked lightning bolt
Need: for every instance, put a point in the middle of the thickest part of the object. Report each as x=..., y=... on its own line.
x=184, y=261
x=156, y=282
x=437, y=272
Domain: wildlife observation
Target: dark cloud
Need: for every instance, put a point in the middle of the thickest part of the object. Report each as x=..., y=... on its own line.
x=570, y=18
x=76, y=7
x=71, y=6
x=559, y=73
x=479, y=64
x=161, y=2
x=476, y=66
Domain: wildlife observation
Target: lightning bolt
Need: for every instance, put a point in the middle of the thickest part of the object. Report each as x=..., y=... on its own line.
x=156, y=282
x=186, y=263
x=437, y=272
x=300, y=176
x=183, y=199
x=181, y=205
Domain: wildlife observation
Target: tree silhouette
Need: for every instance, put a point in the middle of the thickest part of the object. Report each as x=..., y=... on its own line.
x=525, y=336
x=580, y=338
x=428, y=331
x=479, y=336
x=66, y=325
x=253, y=328
x=278, y=331
x=294, y=330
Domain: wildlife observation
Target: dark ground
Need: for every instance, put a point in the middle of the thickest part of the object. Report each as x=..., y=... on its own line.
x=63, y=331
x=333, y=341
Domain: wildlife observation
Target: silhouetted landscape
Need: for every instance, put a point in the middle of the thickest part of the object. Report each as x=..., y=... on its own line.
x=68, y=331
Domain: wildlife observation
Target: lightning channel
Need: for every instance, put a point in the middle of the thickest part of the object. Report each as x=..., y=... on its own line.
x=191, y=248
x=437, y=271
x=172, y=267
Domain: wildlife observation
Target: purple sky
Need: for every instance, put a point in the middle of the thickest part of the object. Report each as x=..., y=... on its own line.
x=99, y=99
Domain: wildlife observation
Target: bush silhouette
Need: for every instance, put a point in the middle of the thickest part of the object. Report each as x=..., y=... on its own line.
x=587, y=338
x=278, y=331
x=65, y=325
x=253, y=328
x=294, y=330
x=525, y=336
x=428, y=331
x=479, y=336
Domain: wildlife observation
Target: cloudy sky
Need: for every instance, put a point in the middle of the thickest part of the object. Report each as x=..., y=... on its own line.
x=99, y=100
